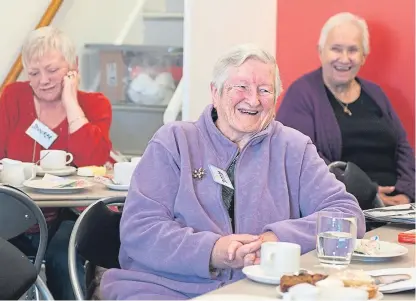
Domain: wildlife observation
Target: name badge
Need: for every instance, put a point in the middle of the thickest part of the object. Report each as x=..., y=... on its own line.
x=41, y=134
x=220, y=176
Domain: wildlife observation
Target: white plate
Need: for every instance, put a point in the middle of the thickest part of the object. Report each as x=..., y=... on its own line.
x=69, y=170
x=255, y=273
x=116, y=186
x=398, y=286
x=387, y=250
x=286, y=296
x=234, y=297
x=44, y=187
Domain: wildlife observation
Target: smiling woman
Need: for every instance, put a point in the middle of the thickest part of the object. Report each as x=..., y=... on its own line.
x=349, y=118
x=232, y=180
x=244, y=92
x=343, y=48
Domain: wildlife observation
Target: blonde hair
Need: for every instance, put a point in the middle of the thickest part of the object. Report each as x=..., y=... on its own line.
x=235, y=57
x=342, y=18
x=45, y=39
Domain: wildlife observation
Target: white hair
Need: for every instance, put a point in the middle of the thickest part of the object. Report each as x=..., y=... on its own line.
x=342, y=18
x=235, y=57
x=45, y=39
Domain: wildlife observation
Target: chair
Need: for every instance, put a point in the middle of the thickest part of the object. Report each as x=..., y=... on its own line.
x=95, y=237
x=357, y=183
x=17, y=273
x=18, y=213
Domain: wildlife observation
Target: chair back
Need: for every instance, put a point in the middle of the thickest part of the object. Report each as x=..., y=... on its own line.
x=18, y=213
x=17, y=273
x=96, y=237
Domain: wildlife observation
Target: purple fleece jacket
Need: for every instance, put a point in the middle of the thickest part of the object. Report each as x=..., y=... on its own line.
x=306, y=108
x=171, y=220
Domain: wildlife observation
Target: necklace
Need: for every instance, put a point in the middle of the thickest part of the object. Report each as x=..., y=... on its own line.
x=344, y=106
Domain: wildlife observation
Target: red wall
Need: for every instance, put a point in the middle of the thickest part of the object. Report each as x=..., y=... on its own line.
x=391, y=62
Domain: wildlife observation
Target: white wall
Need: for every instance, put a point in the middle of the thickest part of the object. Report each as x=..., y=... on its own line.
x=98, y=21
x=213, y=26
x=91, y=21
x=17, y=18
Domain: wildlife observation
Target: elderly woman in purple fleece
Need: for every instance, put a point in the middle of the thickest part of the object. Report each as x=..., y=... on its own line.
x=206, y=194
x=348, y=118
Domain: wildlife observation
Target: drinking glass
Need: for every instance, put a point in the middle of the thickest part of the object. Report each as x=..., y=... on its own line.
x=336, y=237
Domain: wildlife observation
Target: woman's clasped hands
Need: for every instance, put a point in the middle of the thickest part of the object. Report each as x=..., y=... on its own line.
x=236, y=251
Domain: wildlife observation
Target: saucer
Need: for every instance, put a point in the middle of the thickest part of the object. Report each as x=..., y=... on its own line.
x=66, y=171
x=116, y=186
x=256, y=273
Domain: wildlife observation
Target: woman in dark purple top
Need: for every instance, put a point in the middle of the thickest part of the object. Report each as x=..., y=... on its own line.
x=348, y=118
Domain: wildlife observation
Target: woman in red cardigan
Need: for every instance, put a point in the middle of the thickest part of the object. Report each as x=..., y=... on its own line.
x=80, y=122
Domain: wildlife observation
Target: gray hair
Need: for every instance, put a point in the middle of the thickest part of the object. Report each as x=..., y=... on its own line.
x=342, y=18
x=235, y=57
x=47, y=38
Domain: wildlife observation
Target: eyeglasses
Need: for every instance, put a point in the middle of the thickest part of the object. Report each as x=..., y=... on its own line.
x=249, y=90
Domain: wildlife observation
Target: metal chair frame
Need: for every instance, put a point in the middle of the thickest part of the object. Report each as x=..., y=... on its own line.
x=73, y=242
x=26, y=207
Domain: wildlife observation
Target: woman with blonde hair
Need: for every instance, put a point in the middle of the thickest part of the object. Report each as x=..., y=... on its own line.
x=71, y=120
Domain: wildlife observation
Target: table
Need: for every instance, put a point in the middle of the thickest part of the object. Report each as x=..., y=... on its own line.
x=79, y=199
x=309, y=260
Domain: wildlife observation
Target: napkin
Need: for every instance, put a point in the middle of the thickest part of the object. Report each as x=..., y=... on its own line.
x=55, y=182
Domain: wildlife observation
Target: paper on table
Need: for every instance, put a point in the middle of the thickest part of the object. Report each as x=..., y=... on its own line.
x=390, y=211
x=400, y=214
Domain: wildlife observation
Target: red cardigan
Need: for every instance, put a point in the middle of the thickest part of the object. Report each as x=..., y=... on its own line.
x=90, y=145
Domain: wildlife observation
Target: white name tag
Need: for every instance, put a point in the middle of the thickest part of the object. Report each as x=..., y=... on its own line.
x=41, y=134
x=220, y=176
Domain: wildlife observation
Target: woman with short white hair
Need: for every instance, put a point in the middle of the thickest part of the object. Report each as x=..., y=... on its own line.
x=351, y=119
x=69, y=120
x=207, y=194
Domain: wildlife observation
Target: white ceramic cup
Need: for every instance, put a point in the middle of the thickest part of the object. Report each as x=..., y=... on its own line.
x=280, y=258
x=123, y=171
x=135, y=160
x=55, y=159
x=29, y=170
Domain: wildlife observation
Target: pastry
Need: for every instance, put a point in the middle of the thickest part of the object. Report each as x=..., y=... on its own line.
x=91, y=171
x=287, y=281
x=358, y=279
x=348, y=278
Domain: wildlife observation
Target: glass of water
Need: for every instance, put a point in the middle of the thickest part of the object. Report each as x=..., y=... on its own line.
x=336, y=236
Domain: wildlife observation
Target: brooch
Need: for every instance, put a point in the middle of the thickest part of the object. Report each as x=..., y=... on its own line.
x=198, y=173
